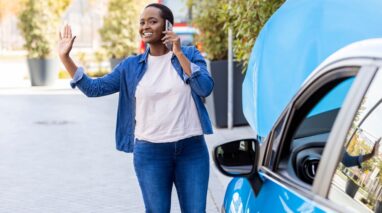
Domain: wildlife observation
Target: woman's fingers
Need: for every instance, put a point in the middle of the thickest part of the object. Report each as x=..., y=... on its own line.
x=69, y=32
x=165, y=37
x=170, y=37
x=60, y=36
x=170, y=40
x=169, y=34
x=166, y=41
x=65, y=31
x=72, y=40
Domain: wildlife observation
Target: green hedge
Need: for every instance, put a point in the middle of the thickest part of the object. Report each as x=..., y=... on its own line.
x=246, y=17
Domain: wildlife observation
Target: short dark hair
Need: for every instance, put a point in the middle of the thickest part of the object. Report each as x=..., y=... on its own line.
x=165, y=11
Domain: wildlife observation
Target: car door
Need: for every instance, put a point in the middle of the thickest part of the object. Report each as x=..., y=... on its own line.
x=296, y=143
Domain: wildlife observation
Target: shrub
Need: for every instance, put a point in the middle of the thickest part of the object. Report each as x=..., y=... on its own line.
x=39, y=23
x=210, y=20
x=119, y=32
x=247, y=17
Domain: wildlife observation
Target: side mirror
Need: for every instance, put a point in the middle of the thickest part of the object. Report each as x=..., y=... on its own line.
x=240, y=158
x=237, y=158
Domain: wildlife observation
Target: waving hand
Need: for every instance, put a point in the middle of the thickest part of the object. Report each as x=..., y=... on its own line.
x=66, y=41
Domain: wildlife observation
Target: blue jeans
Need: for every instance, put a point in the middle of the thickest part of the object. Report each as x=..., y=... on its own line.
x=184, y=163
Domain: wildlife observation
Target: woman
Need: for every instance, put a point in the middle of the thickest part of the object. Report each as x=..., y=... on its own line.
x=161, y=117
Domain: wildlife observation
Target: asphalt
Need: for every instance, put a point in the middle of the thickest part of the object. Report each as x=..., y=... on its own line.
x=57, y=154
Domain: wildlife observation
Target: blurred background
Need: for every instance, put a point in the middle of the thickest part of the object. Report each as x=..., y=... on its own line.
x=106, y=30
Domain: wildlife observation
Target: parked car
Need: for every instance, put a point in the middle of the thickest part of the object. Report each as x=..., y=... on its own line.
x=186, y=34
x=336, y=113
x=293, y=43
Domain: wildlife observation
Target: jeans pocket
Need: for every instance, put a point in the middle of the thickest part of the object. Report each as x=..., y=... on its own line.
x=142, y=147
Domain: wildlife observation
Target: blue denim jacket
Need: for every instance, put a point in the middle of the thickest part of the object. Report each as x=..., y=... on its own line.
x=124, y=79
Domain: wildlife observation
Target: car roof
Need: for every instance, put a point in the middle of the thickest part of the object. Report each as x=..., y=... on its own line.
x=184, y=30
x=369, y=48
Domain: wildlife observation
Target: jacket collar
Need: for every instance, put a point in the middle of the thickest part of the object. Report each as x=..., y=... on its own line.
x=144, y=56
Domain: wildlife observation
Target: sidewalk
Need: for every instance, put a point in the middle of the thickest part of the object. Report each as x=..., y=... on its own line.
x=57, y=154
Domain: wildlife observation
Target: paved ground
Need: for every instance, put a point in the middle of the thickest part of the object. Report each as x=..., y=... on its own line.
x=57, y=154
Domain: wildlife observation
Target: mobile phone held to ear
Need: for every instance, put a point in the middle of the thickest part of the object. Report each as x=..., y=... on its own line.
x=168, y=27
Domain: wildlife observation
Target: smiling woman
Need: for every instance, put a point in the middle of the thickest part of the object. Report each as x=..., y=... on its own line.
x=161, y=117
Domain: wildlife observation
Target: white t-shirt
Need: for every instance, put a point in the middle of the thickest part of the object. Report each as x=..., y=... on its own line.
x=165, y=110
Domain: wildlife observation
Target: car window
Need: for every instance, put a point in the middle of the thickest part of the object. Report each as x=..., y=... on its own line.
x=357, y=181
x=275, y=142
x=309, y=128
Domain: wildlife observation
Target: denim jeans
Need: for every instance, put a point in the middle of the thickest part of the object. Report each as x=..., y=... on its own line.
x=184, y=163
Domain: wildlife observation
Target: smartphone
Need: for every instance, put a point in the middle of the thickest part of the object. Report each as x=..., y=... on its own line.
x=168, y=27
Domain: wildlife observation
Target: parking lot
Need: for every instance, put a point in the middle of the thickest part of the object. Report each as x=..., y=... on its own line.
x=57, y=154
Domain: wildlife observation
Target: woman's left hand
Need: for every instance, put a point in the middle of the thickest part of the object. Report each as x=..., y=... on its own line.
x=171, y=37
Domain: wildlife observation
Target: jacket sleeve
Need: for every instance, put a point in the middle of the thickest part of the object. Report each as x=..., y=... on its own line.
x=350, y=161
x=200, y=80
x=105, y=85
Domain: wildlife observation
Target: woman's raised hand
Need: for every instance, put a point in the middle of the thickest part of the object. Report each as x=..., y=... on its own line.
x=172, y=37
x=66, y=41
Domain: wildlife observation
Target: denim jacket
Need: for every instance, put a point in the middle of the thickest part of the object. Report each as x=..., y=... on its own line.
x=124, y=79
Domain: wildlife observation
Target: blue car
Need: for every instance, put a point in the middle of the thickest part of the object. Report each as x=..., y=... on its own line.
x=312, y=93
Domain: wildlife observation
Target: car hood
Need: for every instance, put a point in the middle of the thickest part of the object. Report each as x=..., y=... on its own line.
x=295, y=40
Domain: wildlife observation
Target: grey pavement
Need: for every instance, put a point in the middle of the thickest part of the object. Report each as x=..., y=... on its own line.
x=57, y=154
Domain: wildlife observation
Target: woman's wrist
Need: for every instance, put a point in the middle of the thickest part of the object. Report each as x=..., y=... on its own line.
x=64, y=56
x=178, y=53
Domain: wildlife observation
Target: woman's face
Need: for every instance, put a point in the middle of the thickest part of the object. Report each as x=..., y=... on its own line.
x=151, y=25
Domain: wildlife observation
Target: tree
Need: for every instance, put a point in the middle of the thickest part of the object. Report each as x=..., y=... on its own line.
x=247, y=17
x=210, y=19
x=39, y=24
x=120, y=29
